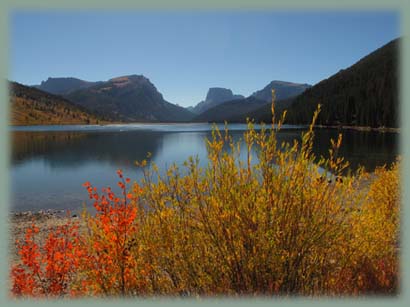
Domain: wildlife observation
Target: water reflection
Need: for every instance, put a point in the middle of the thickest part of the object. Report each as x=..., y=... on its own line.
x=74, y=149
x=48, y=167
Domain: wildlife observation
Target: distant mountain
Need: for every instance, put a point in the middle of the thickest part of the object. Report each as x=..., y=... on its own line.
x=62, y=86
x=263, y=113
x=283, y=90
x=365, y=94
x=31, y=106
x=129, y=98
x=244, y=108
x=229, y=110
x=214, y=97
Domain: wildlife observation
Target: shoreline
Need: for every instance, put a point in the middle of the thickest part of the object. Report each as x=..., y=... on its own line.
x=359, y=128
x=343, y=127
x=105, y=124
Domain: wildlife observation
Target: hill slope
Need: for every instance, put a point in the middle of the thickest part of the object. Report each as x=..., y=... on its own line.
x=365, y=94
x=129, y=98
x=283, y=90
x=263, y=112
x=31, y=106
x=229, y=110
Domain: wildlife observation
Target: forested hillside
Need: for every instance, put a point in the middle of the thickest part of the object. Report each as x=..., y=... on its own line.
x=365, y=94
x=31, y=106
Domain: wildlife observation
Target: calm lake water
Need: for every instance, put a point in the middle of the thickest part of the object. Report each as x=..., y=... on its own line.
x=50, y=163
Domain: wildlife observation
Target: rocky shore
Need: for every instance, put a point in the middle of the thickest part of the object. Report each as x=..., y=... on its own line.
x=45, y=220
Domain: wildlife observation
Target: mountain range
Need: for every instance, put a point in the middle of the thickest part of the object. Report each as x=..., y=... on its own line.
x=134, y=98
x=226, y=110
x=126, y=98
x=364, y=94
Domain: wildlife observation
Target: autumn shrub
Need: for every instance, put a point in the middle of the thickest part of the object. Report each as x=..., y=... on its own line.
x=282, y=223
x=275, y=226
x=47, y=269
x=372, y=264
x=111, y=263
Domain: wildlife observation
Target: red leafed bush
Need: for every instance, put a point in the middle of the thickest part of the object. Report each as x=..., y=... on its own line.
x=47, y=269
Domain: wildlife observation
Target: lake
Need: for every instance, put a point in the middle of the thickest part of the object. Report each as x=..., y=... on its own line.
x=49, y=164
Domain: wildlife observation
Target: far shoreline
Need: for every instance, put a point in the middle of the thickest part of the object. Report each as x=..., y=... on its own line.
x=359, y=128
x=338, y=127
x=104, y=124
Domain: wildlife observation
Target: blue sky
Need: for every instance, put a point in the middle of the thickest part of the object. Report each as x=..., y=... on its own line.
x=184, y=53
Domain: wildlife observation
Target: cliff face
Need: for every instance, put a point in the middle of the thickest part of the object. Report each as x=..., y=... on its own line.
x=214, y=97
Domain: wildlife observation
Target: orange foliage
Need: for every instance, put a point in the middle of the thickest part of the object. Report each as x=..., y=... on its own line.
x=48, y=269
x=109, y=267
